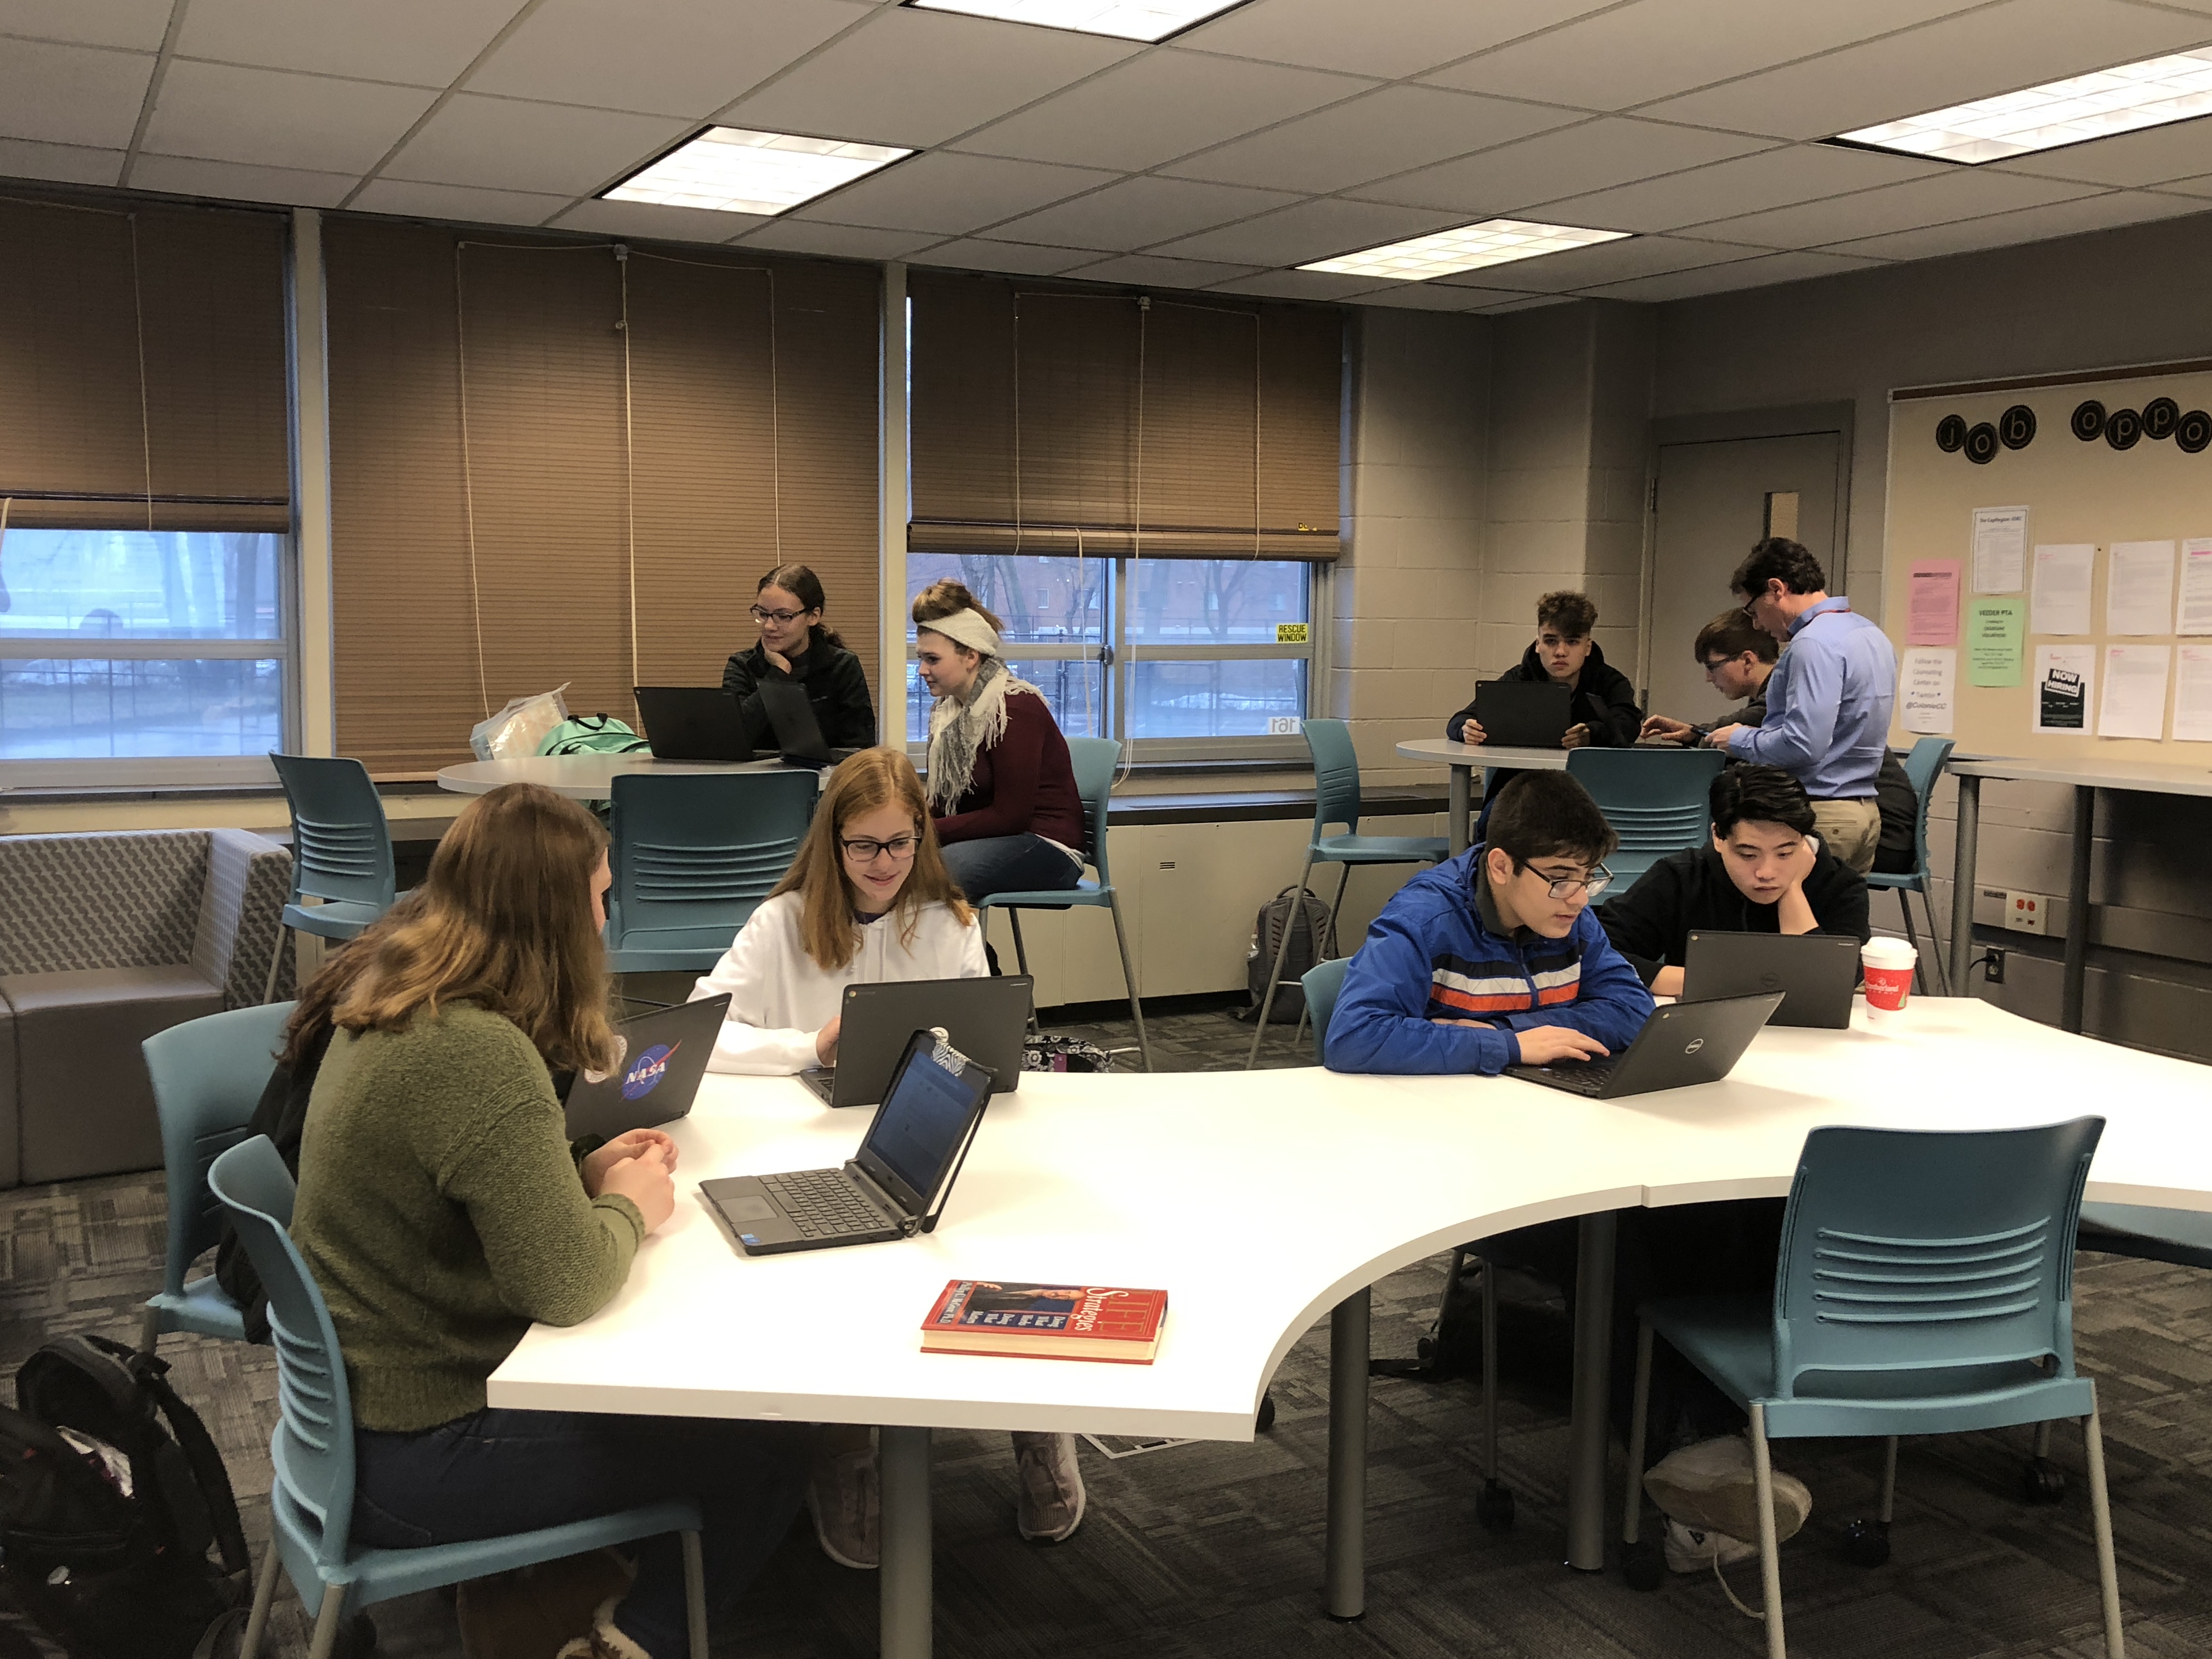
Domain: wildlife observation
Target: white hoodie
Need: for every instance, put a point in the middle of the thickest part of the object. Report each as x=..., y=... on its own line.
x=779, y=998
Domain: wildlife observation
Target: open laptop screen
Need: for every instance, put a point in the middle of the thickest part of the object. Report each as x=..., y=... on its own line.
x=923, y=1120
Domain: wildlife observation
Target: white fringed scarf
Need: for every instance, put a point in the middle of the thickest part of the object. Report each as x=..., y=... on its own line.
x=960, y=728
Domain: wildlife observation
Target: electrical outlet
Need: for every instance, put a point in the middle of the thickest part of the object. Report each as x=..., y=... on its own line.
x=1995, y=967
x=2024, y=912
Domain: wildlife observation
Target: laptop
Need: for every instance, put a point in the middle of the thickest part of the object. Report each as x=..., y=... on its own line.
x=692, y=723
x=1683, y=1044
x=797, y=733
x=664, y=1054
x=1523, y=714
x=892, y=1188
x=984, y=1018
x=1816, y=973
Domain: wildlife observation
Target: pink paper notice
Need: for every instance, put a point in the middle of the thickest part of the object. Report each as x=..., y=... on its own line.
x=1933, y=595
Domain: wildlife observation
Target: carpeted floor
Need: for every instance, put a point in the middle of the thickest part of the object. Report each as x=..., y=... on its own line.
x=1214, y=1551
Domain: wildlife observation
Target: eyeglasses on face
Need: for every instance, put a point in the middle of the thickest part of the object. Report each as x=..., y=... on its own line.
x=1560, y=887
x=900, y=847
x=783, y=619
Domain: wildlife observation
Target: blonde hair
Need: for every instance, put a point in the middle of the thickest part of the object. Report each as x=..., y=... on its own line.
x=504, y=920
x=829, y=925
x=947, y=597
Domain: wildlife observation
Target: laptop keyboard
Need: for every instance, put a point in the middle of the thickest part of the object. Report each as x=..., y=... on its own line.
x=1582, y=1077
x=823, y=1204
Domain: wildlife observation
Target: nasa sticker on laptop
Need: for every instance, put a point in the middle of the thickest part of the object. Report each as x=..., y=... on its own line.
x=646, y=1072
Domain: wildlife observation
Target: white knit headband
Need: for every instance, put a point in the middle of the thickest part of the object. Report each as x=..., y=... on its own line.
x=967, y=628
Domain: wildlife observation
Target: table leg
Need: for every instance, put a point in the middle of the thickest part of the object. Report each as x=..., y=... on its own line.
x=1460, y=804
x=1344, y=1594
x=902, y=1463
x=1589, y=1414
x=2077, y=909
x=1962, y=883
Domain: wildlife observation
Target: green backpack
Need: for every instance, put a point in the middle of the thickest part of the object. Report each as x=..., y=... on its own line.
x=592, y=734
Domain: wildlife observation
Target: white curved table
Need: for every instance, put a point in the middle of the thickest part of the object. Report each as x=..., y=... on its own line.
x=1465, y=759
x=579, y=777
x=1214, y=1186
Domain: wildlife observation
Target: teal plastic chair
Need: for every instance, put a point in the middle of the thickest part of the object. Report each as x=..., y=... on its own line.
x=1925, y=1287
x=1921, y=767
x=208, y=1076
x=1322, y=982
x=341, y=852
x=311, y=1508
x=694, y=853
x=1094, y=761
x=1658, y=800
x=1337, y=800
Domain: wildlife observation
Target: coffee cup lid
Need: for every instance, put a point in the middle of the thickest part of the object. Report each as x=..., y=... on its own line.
x=1887, y=953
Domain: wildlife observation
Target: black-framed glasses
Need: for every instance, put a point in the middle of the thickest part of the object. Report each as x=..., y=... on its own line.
x=1568, y=886
x=784, y=618
x=900, y=847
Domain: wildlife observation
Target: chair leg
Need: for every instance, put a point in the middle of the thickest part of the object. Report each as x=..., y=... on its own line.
x=150, y=1330
x=695, y=1594
x=1770, y=1551
x=1282, y=952
x=2100, y=1515
x=1919, y=955
x=1935, y=943
x=1129, y=981
x=1888, y=1482
x=275, y=962
x=1638, y=1425
x=1494, y=1507
x=328, y=1623
x=1022, y=962
x=264, y=1594
x=1336, y=909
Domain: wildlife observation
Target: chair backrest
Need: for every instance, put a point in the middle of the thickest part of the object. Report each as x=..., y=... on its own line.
x=695, y=853
x=208, y=1075
x=1323, y=981
x=1095, y=761
x=1925, y=1251
x=313, y=1445
x=1655, y=800
x=1923, y=766
x=1336, y=776
x=341, y=846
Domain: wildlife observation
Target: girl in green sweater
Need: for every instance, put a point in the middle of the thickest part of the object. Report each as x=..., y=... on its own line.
x=441, y=1214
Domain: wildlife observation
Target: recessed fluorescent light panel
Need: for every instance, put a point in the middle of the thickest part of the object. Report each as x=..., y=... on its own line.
x=1493, y=242
x=733, y=171
x=2150, y=93
x=1125, y=20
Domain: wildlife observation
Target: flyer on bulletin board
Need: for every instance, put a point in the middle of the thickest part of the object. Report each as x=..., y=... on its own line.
x=1993, y=643
x=1928, y=694
x=2062, y=686
x=1934, y=603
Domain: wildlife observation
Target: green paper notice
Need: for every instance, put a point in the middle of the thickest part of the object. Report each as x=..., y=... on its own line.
x=1993, y=637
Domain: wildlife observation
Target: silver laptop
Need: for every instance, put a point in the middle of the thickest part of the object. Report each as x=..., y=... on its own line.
x=1816, y=973
x=664, y=1054
x=1682, y=1044
x=985, y=1018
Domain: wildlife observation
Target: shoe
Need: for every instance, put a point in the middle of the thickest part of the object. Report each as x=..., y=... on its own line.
x=604, y=1641
x=1689, y=1550
x=528, y=1612
x=1710, y=1488
x=1050, y=1507
x=846, y=1501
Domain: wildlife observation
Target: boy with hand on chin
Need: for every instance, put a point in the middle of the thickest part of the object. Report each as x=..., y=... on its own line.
x=1493, y=958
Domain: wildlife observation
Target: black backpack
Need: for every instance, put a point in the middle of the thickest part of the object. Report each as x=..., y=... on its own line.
x=107, y=1574
x=1313, y=939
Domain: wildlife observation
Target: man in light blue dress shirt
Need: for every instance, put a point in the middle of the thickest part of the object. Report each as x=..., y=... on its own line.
x=1829, y=699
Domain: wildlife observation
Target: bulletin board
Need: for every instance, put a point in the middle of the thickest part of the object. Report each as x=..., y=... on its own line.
x=2047, y=578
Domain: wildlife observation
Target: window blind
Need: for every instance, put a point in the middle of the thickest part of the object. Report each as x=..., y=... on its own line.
x=570, y=463
x=142, y=348
x=1049, y=419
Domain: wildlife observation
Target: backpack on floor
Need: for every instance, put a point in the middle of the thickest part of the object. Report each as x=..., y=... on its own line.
x=106, y=1517
x=1300, y=912
x=1050, y=1051
x=592, y=734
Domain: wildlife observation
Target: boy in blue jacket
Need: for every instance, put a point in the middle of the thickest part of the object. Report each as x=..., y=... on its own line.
x=1494, y=958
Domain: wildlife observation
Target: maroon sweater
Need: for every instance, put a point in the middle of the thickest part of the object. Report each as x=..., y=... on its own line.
x=1024, y=782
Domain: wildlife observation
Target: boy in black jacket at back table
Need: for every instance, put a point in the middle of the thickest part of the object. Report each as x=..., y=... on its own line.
x=1763, y=873
x=1604, y=711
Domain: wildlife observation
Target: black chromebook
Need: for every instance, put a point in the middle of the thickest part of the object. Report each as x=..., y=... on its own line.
x=984, y=1018
x=1815, y=972
x=1683, y=1044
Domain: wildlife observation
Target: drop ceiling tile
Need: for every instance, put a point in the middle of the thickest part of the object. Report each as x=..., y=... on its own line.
x=1606, y=262
x=2119, y=207
x=135, y=25
x=664, y=59
x=1150, y=271
x=1386, y=38
x=920, y=77
x=1720, y=279
x=1430, y=296
x=1016, y=259
x=271, y=117
x=236, y=181
x=1369, y=138
x=1956, y=194
x=1297, y=285
x=503, y=143
x=1526, y=303
x=1748, y=184
x=841, y=241
x=71, y=94
x=1309, y=231
x=1138, y=212
x=1156, y=107
x=1953, y=60
x=2151, y=156
x=950, y=194
x=463, y=202
x=2201, y=185
x=1610, y=150
x=423, y=42
x=1632, y=54
x=67, y=164
x=679, y=224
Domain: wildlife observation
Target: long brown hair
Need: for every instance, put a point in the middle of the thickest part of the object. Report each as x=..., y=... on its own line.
x=829, y=927
x=504, y=920
x=803, y=584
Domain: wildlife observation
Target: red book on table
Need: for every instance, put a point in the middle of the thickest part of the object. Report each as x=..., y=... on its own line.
x=1046, y=1322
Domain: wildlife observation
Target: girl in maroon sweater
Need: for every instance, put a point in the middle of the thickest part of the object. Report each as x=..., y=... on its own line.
x=1001, y=787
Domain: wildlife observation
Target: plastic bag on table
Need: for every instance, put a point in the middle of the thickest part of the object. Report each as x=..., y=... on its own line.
x=515, y=732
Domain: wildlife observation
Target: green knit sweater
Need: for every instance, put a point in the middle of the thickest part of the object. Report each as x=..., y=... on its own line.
x=440, y=1213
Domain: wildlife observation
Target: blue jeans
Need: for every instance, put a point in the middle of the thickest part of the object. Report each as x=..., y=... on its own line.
x=1010, y=864
x=496, y=1472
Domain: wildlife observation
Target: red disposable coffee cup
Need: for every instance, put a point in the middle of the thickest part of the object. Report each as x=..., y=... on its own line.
x=1887, y=964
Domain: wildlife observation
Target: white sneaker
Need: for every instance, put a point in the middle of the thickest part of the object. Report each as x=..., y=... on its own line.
x=1051, y=1503
x=847, y=1500
x=1710, y=1488
x=1691, y=1550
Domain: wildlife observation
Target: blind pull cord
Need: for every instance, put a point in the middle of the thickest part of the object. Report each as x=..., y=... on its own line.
x=629, y=460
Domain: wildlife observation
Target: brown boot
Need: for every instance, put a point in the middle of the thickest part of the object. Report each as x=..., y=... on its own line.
x=529, y=1613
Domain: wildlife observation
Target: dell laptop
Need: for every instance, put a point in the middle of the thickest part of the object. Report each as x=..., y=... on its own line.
x=664, y=1054
x=1523, y=714
x=892, y=1188
x=1683, y=1044
x=1816, y=973
x=692, y=723
x=984, y=1018
x=797, y=733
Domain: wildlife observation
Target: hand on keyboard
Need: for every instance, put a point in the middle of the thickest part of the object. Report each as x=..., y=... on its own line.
x=1544, y=1045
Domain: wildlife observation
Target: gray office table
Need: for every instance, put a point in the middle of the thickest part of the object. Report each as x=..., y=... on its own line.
x=579, y=777
x=2085, y=778
x=1465, y=759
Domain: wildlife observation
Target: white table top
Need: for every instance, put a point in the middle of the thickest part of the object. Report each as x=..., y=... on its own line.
x=1477, y=754
x=2155, y=780
x=1261, y=1199
x=579, y=777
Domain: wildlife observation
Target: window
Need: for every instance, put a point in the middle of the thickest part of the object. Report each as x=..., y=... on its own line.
x=1183, y=659
x=136, y=646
